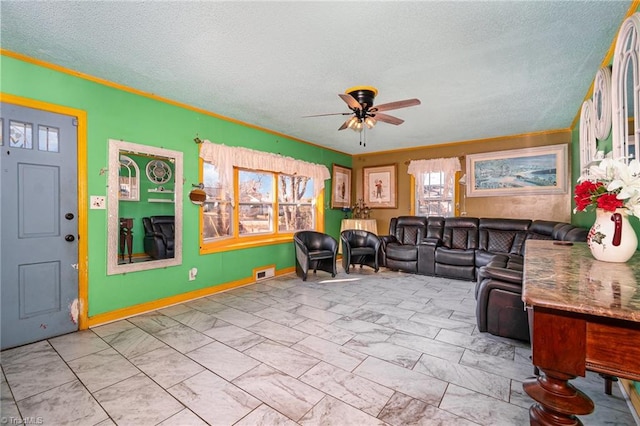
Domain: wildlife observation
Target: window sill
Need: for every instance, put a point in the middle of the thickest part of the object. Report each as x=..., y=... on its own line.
x=244, y=243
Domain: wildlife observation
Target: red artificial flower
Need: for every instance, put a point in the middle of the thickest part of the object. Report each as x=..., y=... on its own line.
x=587, y=193
x=609, y=202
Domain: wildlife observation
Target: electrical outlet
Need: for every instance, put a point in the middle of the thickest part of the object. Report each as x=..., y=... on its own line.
x=98, y=202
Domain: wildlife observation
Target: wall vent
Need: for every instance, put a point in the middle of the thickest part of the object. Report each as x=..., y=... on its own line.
x=264, y=273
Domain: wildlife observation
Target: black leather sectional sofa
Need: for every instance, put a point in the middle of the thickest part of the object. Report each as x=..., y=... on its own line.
x=486, y=250
x=457, y=247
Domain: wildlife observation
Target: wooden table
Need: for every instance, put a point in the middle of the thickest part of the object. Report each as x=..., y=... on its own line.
x=585, y=315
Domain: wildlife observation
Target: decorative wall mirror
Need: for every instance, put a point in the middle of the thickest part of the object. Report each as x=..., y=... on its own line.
x=587, y=136
x=129, y=179
x=625, y=87
x=146, y=231
x=602, y=103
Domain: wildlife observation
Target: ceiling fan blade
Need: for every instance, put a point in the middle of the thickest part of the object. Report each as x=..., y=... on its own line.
x=345, y=124
x=387, y=118
x=324, y=115
x=396, y=105
x=351, y=101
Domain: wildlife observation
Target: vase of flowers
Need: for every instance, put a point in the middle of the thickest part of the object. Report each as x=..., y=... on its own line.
x=612, y=188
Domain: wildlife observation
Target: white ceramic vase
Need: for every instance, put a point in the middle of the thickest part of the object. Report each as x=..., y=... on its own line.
x=611, y=238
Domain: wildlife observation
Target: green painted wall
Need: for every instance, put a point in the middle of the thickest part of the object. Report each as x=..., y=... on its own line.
x=118, y=114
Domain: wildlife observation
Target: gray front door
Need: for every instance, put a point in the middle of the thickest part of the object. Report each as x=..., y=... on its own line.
x=38, y=224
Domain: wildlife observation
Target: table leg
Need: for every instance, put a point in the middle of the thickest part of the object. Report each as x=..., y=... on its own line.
x=129, y=244
x=557, y=401
x=122, y=242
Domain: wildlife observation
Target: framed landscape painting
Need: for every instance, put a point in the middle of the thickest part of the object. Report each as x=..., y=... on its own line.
x=340, y=187
x=380, y=187
x=528, y=171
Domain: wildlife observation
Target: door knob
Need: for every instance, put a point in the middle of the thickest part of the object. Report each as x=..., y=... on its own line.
x=69, y=216
x=69, y=237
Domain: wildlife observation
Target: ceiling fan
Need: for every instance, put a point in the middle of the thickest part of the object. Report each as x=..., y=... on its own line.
x=363, y=113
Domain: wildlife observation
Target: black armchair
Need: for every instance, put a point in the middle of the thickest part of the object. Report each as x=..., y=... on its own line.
x=359, y=247
x=159, y=236
x=315, y=250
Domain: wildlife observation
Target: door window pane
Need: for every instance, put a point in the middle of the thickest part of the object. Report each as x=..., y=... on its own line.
x=20, y=135
x=48, y=138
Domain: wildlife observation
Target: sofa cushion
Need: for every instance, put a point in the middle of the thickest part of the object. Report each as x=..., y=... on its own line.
x=402, y=252
x=455, y=256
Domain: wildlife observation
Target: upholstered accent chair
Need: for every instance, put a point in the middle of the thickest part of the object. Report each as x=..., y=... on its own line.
x=315, y=250
x=159, y=236
x=359, y=247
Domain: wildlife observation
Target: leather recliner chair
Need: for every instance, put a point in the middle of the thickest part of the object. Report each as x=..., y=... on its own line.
x=456, y=257
x=159, y=236
x=359, y=247
x=399, y=249
x=499, y=308
x=315, y=250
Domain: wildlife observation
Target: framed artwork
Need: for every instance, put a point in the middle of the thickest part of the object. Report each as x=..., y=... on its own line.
x=340, y=187
x=528, y=171
x=380, y=186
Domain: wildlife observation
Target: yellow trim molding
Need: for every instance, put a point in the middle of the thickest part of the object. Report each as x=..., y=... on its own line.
x=130, y=311
x=83, y=230
x=124, y=88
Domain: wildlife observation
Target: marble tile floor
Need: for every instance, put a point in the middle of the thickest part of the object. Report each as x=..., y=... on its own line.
x=361, y=349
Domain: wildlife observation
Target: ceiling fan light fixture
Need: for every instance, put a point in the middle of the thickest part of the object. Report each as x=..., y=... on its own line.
x=357, y=127
x=352, y=122
x=370, y=122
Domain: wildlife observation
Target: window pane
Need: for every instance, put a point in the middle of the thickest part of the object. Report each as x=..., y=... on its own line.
x=20, y=135
x=292, y=218
x=255, y=219
x=212, y=185
x=255, y=187
x=217, y=212
x=295, y=189
x=48, y=138
x=217, y=220
x=430, y=198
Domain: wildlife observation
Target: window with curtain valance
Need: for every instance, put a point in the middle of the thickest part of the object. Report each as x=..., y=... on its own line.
x=434, y=188
x=256, y=197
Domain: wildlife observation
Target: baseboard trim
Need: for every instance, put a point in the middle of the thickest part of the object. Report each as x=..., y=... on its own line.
x=119, y=314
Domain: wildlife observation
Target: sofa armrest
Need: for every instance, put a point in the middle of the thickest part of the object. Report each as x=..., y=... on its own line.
x=502, y=274
x=430, y=241
x=382, y=253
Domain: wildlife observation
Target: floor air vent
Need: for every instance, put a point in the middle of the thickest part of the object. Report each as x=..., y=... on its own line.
x=264, y=273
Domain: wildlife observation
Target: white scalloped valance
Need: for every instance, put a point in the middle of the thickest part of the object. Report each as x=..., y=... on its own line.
x=225, y=158
x=448, y=166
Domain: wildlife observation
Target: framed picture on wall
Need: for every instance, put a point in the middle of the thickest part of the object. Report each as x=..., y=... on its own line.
x=528, y=171
x=340, y=187
x=381, y=186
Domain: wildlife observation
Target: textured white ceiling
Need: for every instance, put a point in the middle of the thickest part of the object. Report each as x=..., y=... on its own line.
x=481, y=68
